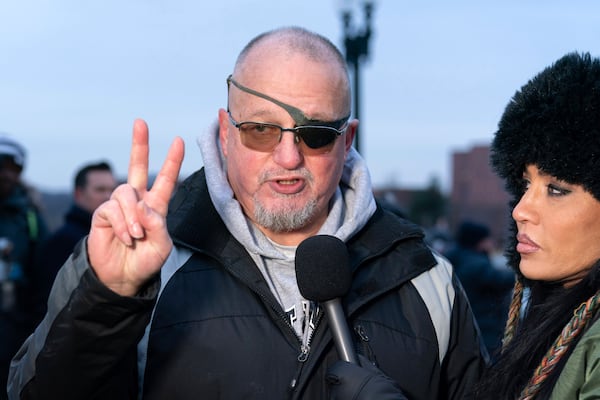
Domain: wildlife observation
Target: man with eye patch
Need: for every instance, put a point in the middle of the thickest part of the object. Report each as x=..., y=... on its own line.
x=192, y=293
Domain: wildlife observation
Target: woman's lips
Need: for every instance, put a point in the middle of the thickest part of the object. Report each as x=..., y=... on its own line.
x=525, y=245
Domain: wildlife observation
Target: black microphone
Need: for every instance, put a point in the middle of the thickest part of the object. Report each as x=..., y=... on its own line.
x=323, y=275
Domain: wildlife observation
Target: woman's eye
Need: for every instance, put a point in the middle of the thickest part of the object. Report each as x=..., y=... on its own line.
x=554, y=190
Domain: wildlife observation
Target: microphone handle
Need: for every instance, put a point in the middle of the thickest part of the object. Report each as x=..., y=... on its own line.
x=340, y=331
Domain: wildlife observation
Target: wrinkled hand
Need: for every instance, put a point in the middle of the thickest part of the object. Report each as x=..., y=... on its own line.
x=128, y=241
x=361, y=382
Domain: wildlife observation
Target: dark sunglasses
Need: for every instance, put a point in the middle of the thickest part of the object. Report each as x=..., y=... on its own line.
x=264, y=137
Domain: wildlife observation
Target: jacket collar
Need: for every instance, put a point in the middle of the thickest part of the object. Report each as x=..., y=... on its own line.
x=373, y=274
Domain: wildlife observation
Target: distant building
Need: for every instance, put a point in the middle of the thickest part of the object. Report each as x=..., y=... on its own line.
x=477, y=193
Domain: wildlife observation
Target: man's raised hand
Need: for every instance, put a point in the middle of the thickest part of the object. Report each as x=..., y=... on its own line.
x=128, y=241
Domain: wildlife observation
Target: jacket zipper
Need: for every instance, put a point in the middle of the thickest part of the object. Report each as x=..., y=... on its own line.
x=304, y=352
x=304, y=349
x=364, y=338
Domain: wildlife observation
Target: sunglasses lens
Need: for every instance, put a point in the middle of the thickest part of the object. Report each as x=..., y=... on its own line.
x=260, y=137
x=317, y=137
x=265, y=137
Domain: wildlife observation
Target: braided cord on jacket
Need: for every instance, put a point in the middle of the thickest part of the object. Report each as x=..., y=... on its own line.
x=581, y=317
x=514, y=313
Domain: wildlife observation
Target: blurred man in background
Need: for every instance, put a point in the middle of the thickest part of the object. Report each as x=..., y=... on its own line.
x=92, y=186
x=22, y=228
x=488, y=287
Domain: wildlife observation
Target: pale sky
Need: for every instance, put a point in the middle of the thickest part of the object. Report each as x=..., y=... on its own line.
x=75, y=74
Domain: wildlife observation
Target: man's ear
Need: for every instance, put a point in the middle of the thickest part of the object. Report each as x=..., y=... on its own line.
x=223, y=130
x=350, y=134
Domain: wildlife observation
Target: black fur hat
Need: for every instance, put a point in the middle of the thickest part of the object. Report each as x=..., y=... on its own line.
x=552, y=122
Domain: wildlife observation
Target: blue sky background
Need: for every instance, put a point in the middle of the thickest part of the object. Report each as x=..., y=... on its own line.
x=75, y=74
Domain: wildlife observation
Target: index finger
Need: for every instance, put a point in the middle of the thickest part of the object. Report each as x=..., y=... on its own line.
x=137, y=175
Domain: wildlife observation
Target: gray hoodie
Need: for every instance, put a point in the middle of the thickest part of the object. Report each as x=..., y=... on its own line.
x=350, y=208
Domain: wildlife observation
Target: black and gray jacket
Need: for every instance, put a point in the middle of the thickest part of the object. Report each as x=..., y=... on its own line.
x=217, y=332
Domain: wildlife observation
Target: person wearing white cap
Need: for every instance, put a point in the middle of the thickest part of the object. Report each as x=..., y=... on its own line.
x=22, y=227
x=12, y=162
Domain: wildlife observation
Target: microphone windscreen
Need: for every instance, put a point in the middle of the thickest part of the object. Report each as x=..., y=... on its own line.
x=322, y=268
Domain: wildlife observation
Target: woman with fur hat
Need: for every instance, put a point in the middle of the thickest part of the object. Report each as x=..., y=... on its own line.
x=547, y=148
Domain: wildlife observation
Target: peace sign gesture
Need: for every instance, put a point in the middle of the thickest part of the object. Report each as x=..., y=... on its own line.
x=128, y=241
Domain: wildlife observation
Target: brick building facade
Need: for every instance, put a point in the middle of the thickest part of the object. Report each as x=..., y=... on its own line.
x=477, y=193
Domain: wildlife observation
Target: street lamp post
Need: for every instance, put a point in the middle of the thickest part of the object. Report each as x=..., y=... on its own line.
x=356, y=43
